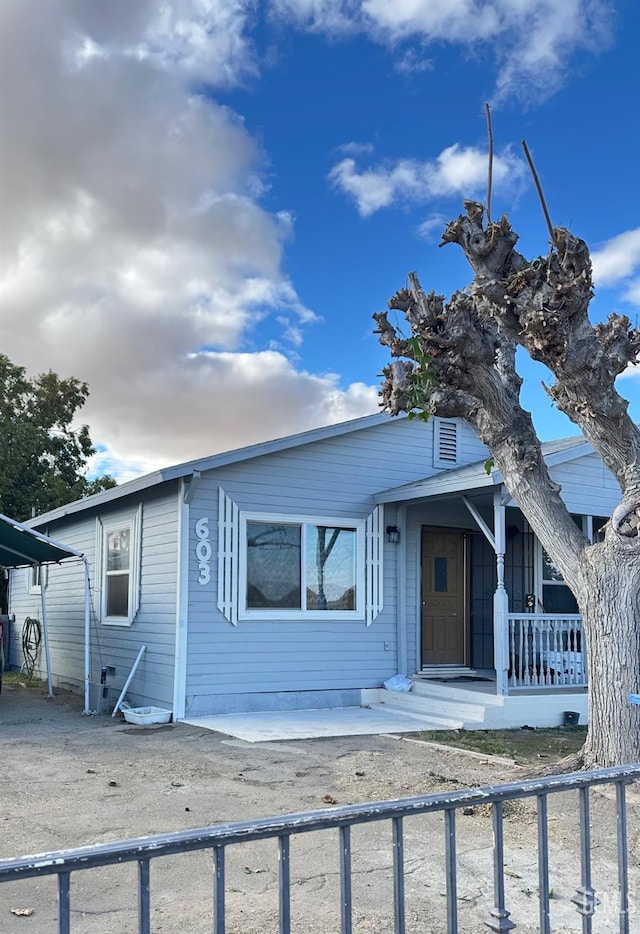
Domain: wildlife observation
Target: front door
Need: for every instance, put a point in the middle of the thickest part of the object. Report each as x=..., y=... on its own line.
x=444, y=622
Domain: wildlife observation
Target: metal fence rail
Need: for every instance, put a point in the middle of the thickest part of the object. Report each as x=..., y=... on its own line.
x=218, y=838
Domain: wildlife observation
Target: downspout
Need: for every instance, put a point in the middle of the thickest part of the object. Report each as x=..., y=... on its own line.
x=87, y=635
x=45, y=633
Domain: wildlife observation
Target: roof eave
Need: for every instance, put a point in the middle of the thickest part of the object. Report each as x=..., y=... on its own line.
x=186, y=469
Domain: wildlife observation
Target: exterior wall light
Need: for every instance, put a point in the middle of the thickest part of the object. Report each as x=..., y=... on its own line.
x=393, y=534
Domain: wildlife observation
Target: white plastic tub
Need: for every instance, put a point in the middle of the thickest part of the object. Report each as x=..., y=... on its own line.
x=144, y=716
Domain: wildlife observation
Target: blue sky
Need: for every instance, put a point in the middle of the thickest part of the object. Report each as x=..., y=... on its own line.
x=204, y=202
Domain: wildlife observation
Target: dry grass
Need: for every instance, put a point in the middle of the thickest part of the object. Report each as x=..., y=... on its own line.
x=526, y=746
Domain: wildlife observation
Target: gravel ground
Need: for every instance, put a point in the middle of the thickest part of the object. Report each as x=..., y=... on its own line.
x=69, y=780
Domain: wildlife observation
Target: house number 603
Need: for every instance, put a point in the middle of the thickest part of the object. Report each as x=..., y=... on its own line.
x=203, y=550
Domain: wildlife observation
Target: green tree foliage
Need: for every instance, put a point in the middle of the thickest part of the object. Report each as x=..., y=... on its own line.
x=42, y=456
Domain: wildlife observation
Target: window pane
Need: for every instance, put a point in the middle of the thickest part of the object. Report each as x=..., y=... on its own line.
x=558, y=599
x=117, y=595
x=549, y=570
x=118, y=550
x=598, y=527
x=331, y=568
x=440, y=575
x=273, y=565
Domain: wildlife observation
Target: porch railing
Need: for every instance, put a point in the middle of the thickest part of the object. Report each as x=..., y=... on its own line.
x=494, y=913
x=546, y=651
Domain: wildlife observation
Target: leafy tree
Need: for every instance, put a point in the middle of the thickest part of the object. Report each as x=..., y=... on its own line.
x=42, y=456
x=460, y=362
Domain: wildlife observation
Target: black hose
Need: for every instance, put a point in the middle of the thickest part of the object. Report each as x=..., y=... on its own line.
x=31, y=639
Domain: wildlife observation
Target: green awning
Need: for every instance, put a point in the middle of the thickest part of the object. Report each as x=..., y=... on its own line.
x=21, y=546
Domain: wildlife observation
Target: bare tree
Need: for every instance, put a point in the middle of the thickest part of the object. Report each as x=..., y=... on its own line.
x=460, y=361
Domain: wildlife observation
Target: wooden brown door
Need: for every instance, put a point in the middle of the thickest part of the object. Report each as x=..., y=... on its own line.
x=444, y=624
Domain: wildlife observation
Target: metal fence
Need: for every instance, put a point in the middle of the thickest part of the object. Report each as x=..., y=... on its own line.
x=496, y=917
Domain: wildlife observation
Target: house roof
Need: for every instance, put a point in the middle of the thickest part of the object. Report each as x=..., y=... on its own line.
x=475, y=476
x=21, y=546
x=188, y=468
x=463, y=478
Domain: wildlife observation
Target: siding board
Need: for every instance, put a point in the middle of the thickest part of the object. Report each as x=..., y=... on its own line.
x=113, y=646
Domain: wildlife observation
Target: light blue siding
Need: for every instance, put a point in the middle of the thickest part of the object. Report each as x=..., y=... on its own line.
x=588, y=487
x=111, y=646
x=240, y=667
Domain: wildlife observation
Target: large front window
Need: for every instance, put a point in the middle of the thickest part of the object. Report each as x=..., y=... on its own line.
x=304, y=566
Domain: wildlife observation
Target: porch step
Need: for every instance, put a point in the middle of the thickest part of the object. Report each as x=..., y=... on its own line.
x=435, y=716
x=426, y=721
x=448, y=707
x=454, y=707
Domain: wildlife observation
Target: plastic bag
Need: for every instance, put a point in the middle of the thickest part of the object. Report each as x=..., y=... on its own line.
x=398, y=683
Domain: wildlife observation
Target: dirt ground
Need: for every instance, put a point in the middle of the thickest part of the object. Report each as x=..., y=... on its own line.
x=68, y=780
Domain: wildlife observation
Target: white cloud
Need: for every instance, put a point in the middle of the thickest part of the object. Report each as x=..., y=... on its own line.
x=356, y=149
x=220, y=401
x=132, y=231
x=433, y=226
x=457, y=170
x=632, y=293
x=332, y=16
x=618, y=259
x=532, y=40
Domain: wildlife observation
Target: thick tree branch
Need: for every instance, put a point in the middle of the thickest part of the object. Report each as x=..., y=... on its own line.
x=543, y=306
x=457, y=363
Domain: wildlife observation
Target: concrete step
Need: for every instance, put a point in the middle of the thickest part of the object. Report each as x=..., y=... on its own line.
x=415, y=707
x=454, y=692
x=436, y=707
x=426, y=722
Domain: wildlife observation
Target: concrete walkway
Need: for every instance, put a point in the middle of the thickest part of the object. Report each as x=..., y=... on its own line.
x=309, y=724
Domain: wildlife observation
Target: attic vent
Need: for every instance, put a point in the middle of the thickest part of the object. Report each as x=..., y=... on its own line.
x=445, y=443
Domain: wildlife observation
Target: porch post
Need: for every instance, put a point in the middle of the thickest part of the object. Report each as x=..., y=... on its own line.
x=402, y=591
x=500, y=600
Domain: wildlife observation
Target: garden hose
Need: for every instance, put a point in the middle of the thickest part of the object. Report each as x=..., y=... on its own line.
x=31, y=639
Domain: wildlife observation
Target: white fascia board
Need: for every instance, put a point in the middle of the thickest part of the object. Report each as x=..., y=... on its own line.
x=437, y=486
x=457, y=481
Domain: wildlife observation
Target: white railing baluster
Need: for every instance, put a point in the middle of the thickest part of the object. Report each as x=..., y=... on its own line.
x=546, y=651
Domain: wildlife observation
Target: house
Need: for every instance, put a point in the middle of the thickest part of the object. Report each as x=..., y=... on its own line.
x=304, y=572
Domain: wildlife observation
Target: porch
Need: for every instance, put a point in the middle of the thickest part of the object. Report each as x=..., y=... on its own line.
x=474, y=704
x=477, y=593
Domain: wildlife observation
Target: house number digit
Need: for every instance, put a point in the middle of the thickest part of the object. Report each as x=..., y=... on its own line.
x=203, y=550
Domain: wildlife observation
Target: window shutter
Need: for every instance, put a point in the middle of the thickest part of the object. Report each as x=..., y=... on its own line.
x=228, y=557
x=445, y=439
x=374, y=582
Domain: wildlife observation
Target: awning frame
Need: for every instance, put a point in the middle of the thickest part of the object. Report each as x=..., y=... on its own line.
x=23, y=547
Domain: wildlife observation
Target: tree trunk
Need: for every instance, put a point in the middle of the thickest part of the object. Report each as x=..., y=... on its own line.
x=610, y=606
x=459, y=361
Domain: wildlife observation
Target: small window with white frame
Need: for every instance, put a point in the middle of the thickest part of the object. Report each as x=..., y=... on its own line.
x=301, y=566
x=119, y=548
